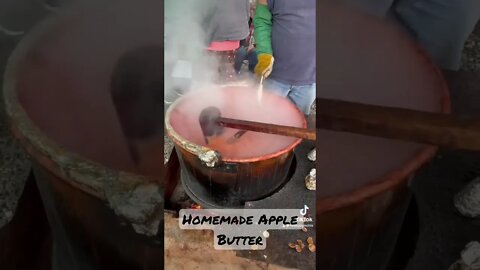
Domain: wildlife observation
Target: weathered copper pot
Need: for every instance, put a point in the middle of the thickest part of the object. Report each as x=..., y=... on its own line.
x=57, y=96
x=363, y=186
x=232, y=181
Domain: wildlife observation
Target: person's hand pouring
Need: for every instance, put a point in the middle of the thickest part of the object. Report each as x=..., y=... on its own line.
x=264, y=66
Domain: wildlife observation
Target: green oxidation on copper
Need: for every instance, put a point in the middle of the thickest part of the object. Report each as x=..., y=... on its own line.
x=187, y=145
x=140, y=201
x=193, y=148
x=136, y=198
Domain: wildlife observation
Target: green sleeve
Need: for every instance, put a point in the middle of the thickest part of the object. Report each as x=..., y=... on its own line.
x=262, y=23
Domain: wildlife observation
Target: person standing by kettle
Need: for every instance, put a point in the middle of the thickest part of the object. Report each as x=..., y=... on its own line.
x=285, y=40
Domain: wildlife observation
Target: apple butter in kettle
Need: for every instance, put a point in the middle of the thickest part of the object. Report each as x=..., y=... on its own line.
x=237, y=103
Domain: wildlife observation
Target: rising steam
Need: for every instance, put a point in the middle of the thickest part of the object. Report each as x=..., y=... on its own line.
x=187, y=66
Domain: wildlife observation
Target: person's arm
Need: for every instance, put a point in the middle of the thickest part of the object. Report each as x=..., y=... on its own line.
x=263, y=22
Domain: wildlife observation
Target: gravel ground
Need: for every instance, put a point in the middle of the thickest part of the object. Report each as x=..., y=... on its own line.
x=167, y=150
x=471, y=54
x=14, y=164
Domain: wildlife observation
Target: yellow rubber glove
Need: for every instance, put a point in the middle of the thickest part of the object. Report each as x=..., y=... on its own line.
x=264, y=65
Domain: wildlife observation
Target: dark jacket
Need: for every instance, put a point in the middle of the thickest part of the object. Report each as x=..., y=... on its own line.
x=226, y=20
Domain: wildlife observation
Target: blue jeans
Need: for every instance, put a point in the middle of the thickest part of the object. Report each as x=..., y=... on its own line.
x=302, y=96
x=440, y=26
x=241, y=55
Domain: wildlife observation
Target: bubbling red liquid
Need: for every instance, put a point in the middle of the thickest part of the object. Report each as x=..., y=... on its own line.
x=237, y=103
